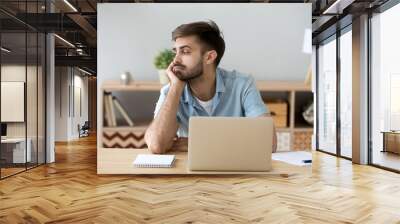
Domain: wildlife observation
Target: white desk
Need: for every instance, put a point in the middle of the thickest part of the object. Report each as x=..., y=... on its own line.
x=18, y=150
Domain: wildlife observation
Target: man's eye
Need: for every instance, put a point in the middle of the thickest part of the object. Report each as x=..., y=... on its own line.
x=186, y=52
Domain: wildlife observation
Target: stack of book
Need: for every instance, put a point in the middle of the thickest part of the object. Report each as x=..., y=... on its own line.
x=111, y=106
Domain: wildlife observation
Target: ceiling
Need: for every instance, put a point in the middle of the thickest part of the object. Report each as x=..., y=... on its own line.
x=76, y=22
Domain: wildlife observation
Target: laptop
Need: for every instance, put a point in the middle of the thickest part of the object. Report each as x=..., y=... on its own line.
x=230, y=144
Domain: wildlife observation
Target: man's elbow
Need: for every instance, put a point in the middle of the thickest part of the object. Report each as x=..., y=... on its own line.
x=154, y=146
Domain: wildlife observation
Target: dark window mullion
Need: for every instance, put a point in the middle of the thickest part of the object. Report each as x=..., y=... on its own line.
x=317, y=96
x=369, y=90
x=338, y=98
x=26, y=87
x=37, y=91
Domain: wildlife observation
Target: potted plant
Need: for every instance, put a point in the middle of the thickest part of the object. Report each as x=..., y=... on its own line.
x=162, y=61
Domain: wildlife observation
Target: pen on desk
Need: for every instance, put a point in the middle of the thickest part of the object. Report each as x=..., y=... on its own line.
x=307, y=161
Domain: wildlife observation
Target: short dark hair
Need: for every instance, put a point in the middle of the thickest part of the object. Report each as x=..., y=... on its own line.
x=207, y=32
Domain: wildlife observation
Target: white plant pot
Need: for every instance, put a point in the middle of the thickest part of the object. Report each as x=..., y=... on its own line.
x=162, y=74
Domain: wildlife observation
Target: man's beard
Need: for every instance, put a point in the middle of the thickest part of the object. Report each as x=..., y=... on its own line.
x=186, y=75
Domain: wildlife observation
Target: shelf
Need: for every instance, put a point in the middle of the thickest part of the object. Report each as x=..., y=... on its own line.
x=302, y=99
x=282, y=86
x=139, y=125
x=294, y=93
x=114, y=85
x=144, y=126
x=303, y=129
x=283, y=129
x=124, y=128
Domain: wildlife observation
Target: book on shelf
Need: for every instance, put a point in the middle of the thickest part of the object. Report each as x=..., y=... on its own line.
x=122, y=111
x=111, y=106
x=112, y=111
x=107, y=109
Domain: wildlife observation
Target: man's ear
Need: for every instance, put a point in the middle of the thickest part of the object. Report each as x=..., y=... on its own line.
x=211, y=56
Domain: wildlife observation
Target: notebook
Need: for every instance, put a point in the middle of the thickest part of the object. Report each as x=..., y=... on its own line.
x=298, y=158
x=154, y=161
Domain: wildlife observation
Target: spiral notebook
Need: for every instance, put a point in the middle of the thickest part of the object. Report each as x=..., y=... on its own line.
x=154, y=161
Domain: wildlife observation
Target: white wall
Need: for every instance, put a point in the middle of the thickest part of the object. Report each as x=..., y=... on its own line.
x=269, y=41
x=61, y=103
x=80, y=103
x=66, y=101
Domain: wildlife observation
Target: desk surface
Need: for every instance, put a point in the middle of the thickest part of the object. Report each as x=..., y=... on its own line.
x=120, y=161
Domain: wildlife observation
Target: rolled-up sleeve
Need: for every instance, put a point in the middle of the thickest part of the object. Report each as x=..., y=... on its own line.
x=253, y=104
x=161, y=99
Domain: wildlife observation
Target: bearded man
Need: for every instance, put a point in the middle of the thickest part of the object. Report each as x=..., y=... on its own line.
x=198, y=87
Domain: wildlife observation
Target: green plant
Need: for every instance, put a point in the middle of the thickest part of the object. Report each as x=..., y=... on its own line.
x=164, y=58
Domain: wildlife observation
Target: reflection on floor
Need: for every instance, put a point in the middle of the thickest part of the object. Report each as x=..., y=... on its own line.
x=10, y=171
x=387, y=159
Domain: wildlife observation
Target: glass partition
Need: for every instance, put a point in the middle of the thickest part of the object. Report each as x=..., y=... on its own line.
x=13, y=94
x=385, y=89
x=346, y=94
x=327, y=96
x=22, y=77
x=31, y=98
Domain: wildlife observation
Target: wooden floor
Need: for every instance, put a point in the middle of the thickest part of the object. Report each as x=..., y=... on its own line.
x=69, y=191
x=386, y=159
x=5, y=172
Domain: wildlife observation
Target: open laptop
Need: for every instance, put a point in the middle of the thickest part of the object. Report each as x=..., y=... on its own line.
x=230, y=144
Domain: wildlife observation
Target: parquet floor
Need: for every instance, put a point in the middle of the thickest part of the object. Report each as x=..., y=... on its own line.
x=10, y=171
x=387, y=159
x=69, y=191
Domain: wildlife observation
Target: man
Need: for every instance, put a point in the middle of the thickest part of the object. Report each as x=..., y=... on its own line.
x=198, y=87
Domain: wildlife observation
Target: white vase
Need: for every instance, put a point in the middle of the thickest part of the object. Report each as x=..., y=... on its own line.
x=162, y=74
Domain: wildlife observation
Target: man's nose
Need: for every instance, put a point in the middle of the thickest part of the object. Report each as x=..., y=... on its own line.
x=177, y=59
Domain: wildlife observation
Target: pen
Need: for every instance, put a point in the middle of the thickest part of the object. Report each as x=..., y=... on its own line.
x=307, y=161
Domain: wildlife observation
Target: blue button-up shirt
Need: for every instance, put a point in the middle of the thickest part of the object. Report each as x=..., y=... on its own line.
x=236, y=95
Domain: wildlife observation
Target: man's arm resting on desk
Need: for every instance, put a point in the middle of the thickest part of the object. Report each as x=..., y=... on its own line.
x=161, y=132
x=180, y=144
